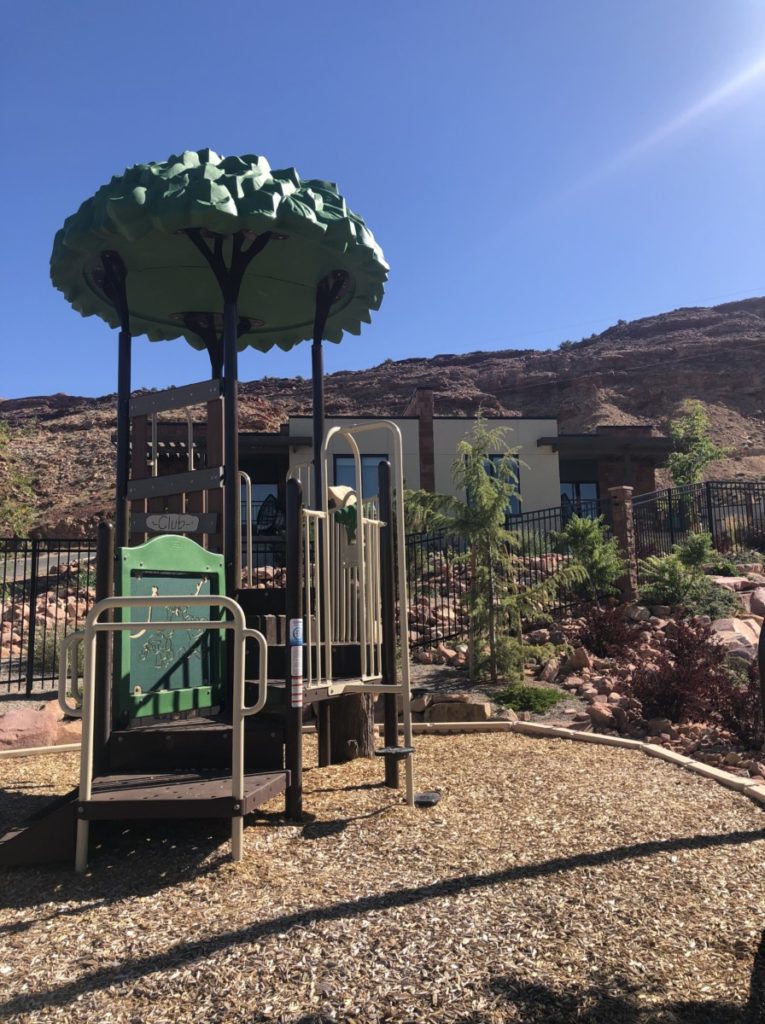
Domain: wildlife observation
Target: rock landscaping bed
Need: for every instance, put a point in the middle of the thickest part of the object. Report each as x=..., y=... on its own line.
x=554, y=882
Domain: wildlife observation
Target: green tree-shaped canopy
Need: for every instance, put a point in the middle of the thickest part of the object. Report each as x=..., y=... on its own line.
x=145, y=215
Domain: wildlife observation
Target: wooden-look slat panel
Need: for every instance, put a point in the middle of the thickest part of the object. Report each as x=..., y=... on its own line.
x=176, y=483
x=139, y=470
x=176, y=398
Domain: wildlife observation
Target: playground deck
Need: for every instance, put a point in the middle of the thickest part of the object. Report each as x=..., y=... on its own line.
x=554, y=881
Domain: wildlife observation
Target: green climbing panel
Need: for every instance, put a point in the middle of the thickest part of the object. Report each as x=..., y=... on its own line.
x=170, y=671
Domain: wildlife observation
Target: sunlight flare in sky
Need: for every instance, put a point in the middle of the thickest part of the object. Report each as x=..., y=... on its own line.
x=713, y=99
x=754, y=73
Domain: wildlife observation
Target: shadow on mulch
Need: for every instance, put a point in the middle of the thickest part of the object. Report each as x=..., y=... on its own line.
x=101, y=887
x=617, y=1002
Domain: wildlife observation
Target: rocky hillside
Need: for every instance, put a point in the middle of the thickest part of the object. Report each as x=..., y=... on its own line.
x=631, y=373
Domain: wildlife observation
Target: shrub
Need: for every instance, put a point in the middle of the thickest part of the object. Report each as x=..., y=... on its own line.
x=607, y=631
x=740, y=705
x=537, y=699
x=708, y=598
x=694, y=679
x=595, y=552
x=688, y=679
x=510, y=656
x=696, y=550
x=667, y=580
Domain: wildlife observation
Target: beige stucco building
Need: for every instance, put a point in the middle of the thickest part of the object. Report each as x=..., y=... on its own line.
x=539, y=481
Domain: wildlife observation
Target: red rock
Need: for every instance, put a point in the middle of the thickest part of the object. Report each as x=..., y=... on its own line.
x=620, y=719
x=28, y=727
x=601, y=716
x=453, y=711
x=579, y=658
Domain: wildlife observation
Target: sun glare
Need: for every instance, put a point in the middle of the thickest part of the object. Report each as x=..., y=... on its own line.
x=738, y=83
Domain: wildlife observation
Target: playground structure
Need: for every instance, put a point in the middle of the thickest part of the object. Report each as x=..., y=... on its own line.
x=190, y=680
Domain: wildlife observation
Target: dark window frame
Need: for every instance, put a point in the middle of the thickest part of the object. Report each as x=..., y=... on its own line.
x=364, y=456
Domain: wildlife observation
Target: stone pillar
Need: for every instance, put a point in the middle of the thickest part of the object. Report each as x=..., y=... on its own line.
x=421, y=405
x=624, y=531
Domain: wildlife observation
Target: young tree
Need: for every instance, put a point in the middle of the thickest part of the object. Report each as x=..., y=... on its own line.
x=598, y=554
x=495, y=602
x=694, y=448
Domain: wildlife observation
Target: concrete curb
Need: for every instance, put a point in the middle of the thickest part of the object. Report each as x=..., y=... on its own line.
x=737, y=783
x=60, y=748
x=754, y=790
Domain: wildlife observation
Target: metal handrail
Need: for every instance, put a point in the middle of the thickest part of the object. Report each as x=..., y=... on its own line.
x=397, y=473
x=244, y=478
x=73, y=710
x=238, y=624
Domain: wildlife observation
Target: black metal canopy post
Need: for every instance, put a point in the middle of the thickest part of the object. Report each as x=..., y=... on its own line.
x=115, y=288
x=229, y=278
x=231, y=448
x=102, y=712
x=327, y=292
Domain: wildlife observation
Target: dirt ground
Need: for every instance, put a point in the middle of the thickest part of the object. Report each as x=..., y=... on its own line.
x=554, y=882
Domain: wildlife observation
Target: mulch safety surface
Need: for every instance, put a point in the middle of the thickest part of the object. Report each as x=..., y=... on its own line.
x=554, y=882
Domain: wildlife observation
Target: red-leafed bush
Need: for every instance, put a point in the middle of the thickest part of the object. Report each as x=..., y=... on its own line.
x=607, y=631
x=692, y=679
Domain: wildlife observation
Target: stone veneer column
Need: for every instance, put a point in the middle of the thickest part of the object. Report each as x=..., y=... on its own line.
x=624, y=531
x=421, y=405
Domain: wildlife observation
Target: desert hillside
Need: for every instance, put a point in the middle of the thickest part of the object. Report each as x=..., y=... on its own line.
x=632, y=373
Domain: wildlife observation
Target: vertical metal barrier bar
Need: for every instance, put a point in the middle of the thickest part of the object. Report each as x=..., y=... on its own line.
x=32, y=628
x=388, y=617
x=711, y=514
x=294, y=613
x=102, y=698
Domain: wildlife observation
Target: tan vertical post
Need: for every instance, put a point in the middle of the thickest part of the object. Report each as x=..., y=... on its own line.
x=624, y=531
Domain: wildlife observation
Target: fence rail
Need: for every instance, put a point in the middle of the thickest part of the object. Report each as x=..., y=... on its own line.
x=47, y=585
x=731, y=511
x=439, y=569
x=46, y=589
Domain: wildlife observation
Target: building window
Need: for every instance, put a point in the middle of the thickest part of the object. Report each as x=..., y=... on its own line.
x=345, y=473
x=491, y=464
x=580, y=497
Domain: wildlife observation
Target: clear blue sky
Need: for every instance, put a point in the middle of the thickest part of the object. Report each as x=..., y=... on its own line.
x=533, y=169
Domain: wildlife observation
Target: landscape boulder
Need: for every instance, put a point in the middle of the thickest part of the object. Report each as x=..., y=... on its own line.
x=39, y=725
x=740, y=636
x=458, y=711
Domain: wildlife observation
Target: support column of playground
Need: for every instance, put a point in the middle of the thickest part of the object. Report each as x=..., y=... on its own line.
x=327, y=292
x=388, y=610
x=294, y=614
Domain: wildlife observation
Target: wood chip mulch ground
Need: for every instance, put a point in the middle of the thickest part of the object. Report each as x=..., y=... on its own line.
x=554, y=882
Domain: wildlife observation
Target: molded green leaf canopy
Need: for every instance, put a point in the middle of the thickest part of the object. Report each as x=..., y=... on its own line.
x=143, y=215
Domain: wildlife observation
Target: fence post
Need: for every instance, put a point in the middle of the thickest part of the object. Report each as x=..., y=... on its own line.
x=624, y=531
x=32, y=629
x=710, y=512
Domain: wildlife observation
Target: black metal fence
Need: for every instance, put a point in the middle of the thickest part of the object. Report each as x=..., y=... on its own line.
x=47, y=586
x=438, y=570
x=46, y=589
x=731, y=511
x=437, y=578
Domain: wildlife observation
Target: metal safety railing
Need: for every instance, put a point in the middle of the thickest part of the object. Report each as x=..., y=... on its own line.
x=85, y=709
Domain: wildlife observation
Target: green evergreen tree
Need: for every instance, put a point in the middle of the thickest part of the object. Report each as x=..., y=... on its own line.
x=495, y=602
x=694, y=449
